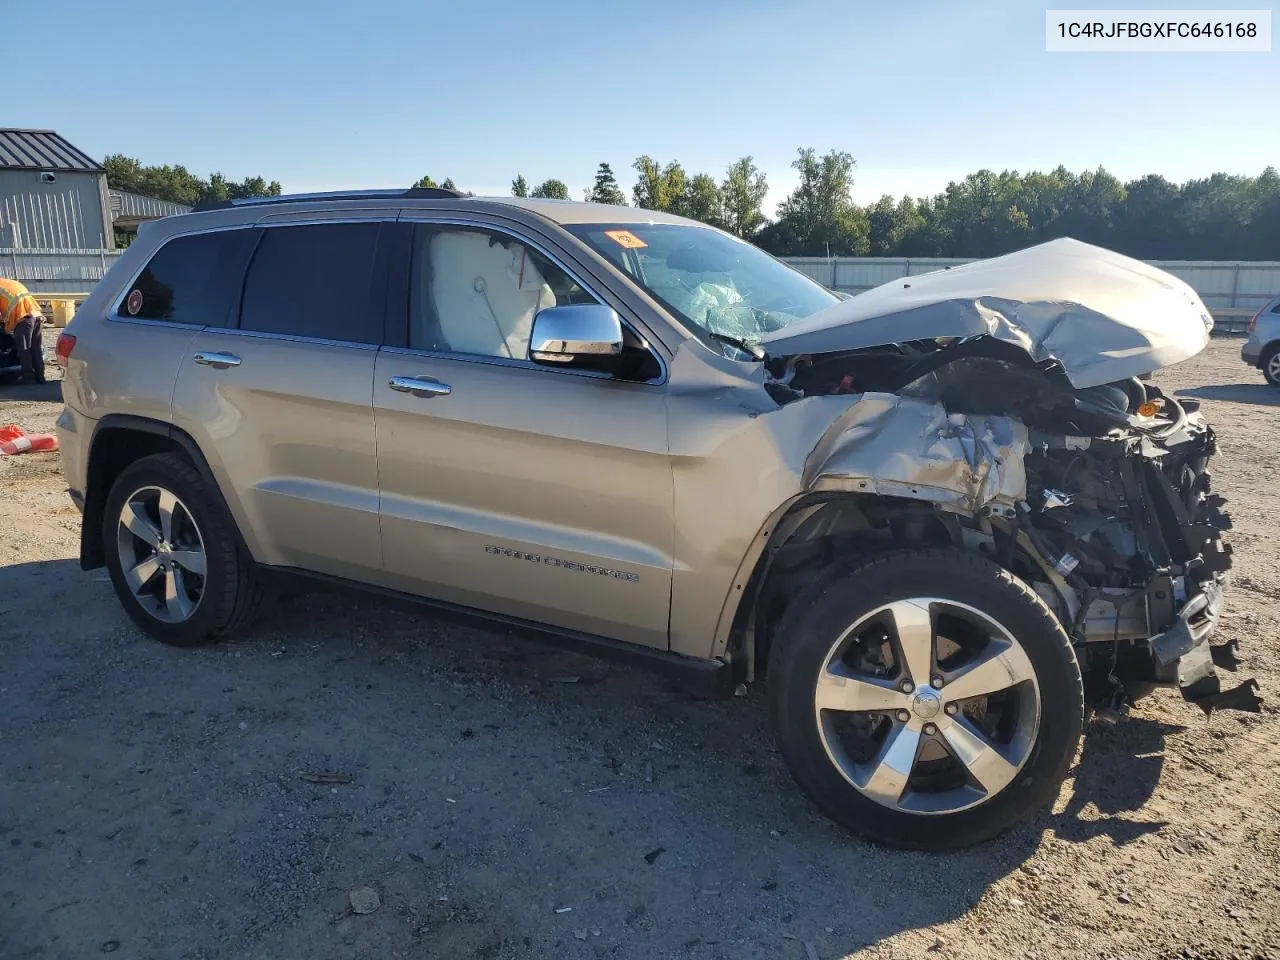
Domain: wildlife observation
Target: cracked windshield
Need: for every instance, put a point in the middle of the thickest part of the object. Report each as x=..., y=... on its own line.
x=711, y=281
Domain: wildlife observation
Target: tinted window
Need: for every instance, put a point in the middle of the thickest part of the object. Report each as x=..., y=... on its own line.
x=477, y=291
x=315, y=281
x=191, y=279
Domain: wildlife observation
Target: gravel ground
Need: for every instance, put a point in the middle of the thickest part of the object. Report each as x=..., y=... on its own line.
x=154, y=803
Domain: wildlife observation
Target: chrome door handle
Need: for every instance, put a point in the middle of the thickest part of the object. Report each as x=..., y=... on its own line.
x=420, y=386
x=219, y=361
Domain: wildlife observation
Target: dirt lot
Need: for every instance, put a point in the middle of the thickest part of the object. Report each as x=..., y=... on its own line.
x=153, y=801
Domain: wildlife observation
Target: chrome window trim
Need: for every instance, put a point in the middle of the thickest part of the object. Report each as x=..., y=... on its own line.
x=165, y=324
x=417, y=216
x=291, y=337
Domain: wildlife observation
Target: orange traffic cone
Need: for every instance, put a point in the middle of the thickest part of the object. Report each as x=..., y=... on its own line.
x=13, y=440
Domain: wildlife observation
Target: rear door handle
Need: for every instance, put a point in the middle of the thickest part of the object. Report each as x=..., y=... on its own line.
x=420, y=386
x=219, y=361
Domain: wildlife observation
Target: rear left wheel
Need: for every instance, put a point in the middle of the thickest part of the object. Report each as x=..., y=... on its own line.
x=925, y=698
x=173, y=555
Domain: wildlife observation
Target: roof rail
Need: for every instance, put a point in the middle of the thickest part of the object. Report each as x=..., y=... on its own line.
x=413, y=193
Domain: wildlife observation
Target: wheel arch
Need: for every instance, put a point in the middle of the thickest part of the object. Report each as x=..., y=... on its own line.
x=820, y=524
x=813, y=530
x=117, y=441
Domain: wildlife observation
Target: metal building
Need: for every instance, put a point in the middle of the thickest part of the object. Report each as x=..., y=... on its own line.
x=58, y=215
x=52, y=195
x=128, y=210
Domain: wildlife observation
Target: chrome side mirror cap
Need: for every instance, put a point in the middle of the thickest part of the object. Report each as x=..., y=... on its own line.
x=578, y=332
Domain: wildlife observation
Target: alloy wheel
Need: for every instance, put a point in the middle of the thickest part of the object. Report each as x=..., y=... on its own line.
x=1273, y=367
x=927, y=706
x=162, y=554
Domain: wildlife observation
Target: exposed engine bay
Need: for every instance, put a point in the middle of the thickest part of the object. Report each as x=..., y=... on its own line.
x=1109, y=515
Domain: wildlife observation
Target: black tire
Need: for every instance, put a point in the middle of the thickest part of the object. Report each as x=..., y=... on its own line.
x=844, y=594
x=231, y=594
x=1270, y=374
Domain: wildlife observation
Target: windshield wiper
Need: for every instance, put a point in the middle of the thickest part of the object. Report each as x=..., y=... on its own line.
x=746, y=346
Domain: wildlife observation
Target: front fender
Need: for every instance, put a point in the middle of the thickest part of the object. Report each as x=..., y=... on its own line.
x=902, y=447
x=892, y=446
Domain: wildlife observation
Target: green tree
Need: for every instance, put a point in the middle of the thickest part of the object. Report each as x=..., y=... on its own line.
x=1264, y=226
x=551, y=190
x=880, y=218
x=910, y=234
x=1091, y=203
x=702, y=201
x=448, y=184
x=983, y=213
x=1148, y=224
x=742, y=195
x=520, y=186
x=606, y=189
x=179, y=185
x=659, y=187
x=819, y=218
x=425, y=183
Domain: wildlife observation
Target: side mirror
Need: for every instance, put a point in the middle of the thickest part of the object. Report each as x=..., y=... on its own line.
x=578, y=333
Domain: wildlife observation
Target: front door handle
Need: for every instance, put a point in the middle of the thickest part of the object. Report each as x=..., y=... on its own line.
x=219, y=361
x=420, y=386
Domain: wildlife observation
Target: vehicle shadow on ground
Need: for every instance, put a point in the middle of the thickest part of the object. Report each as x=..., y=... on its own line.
x=634, y=800
x=1119, y=769
x=1260, y=394
x=48, y=392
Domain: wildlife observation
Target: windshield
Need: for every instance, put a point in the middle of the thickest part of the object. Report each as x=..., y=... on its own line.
x=716, y=283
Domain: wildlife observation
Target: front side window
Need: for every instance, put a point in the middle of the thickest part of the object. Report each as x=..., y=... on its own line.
x=476, y=291
x=711, y=281
x=314, y=281
x=191, y=279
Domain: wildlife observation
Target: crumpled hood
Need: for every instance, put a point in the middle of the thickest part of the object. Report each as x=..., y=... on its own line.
x=1103, y=316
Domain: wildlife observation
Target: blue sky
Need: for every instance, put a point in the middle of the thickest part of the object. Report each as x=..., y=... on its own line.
x=330, y=95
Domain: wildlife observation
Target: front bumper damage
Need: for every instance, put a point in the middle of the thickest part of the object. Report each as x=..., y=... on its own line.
x=1184, y=654
x=1150, y=512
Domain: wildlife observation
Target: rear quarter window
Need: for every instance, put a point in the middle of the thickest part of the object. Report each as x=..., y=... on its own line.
x=193, y=279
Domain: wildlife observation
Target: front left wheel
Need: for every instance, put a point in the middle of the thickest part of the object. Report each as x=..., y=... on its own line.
x=173, y=554
x=925, y=698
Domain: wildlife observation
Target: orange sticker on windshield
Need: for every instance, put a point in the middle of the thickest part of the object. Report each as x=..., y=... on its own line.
x=625, y=238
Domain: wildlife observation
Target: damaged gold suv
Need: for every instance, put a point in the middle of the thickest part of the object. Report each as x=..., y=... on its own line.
x=938, y=518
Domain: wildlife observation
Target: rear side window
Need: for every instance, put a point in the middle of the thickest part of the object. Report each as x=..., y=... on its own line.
x=191, y=279
x=315, y=281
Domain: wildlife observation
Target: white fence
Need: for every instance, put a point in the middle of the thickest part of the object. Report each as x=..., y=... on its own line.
x=1233, y=291
x=70, y=272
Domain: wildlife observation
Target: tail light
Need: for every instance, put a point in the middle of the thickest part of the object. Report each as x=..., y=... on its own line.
x=62, y=352
x=1254, y=322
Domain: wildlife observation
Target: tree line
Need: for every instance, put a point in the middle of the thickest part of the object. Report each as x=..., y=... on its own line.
x=180, y=185
x=1221, y=217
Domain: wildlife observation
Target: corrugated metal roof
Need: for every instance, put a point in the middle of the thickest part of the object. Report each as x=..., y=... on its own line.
x=42, y=150
x=136, y=206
